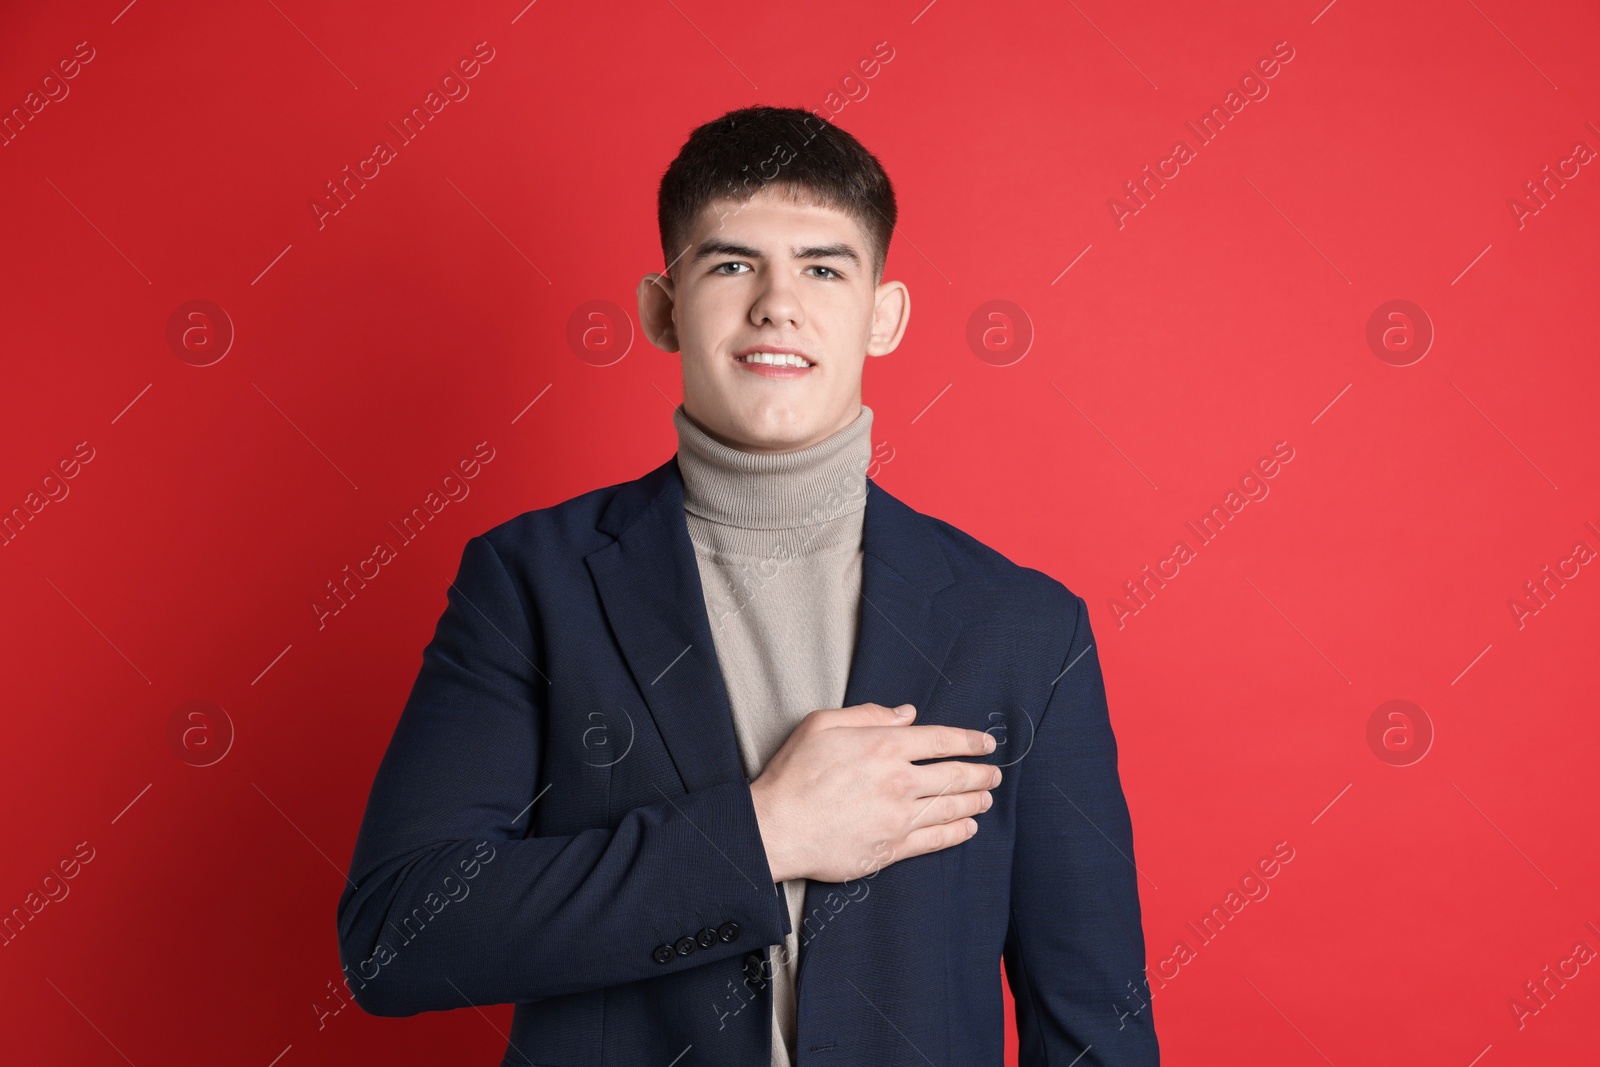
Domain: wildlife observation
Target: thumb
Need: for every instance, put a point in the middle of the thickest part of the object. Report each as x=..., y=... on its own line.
x=899, y=716
x=875, y=715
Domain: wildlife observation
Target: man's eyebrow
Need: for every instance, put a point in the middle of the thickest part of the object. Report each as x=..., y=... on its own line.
x=838, y=250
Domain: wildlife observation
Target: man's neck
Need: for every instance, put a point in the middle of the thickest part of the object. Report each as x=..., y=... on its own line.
x=774, y=490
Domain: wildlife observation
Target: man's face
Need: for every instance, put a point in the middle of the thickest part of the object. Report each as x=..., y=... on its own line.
x=773, y=275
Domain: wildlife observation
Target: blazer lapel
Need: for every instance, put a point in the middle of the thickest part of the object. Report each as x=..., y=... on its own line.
x=649, y=584
x=904, y=636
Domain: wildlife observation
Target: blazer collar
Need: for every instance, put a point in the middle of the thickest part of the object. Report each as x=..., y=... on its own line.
x=649, y=584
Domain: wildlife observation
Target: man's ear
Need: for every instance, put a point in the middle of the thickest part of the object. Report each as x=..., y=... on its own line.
x=891, y=310
x=656, y=301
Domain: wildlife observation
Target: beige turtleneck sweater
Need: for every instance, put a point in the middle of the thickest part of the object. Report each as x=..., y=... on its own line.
x=778, y=541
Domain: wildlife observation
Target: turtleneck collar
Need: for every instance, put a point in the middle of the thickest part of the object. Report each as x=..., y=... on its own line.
x=808, y=487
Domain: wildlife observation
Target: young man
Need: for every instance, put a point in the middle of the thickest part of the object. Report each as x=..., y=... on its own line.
x=746, y=762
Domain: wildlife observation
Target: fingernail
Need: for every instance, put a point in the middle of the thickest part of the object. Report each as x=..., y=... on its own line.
x=903, y=711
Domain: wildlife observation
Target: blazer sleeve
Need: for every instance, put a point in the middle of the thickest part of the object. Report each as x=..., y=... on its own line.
x=1074, y=951
x=448, y=902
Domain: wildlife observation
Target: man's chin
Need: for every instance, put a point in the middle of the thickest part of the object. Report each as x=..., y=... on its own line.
x=772, y=431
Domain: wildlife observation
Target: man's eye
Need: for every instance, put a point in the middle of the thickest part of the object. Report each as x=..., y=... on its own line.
x=719, y=266
x=830, y=270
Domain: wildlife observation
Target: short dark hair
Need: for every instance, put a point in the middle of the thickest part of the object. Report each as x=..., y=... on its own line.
x=744, y=151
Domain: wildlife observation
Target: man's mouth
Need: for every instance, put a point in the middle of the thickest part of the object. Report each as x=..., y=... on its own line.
x=774, y=359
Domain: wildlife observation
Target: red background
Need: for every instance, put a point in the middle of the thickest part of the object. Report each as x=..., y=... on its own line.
x=1228, y=314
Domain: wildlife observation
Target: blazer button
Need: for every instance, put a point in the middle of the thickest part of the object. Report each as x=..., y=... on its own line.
x=685, y=945
x=662, y=954
x=706, y=937
x=728, y=931
x=752, y=966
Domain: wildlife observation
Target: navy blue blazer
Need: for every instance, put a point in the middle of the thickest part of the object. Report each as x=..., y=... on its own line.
x=562, y=820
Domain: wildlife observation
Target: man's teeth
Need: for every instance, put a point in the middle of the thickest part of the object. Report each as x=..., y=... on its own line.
x=775, y=359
